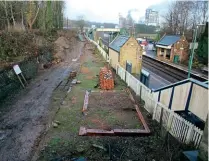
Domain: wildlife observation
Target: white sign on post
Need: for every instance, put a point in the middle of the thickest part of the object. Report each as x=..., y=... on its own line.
x=17, y=69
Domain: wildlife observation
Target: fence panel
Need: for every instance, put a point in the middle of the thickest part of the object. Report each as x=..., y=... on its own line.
x=121, y=72
x=177, y=126
x=133, y=83
x=197, y=136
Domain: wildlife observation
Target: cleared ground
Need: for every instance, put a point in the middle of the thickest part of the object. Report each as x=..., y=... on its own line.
x=111, y=110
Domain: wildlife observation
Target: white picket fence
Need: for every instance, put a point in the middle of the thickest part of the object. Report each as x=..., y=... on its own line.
x=104, y=54
x=177, y=126
x=139, y=88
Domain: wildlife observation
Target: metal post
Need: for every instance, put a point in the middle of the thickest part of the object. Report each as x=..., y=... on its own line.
x=20, y=81
x=192, y=54
x=24, y=78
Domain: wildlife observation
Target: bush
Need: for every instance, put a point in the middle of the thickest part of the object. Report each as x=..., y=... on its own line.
x=14, y=44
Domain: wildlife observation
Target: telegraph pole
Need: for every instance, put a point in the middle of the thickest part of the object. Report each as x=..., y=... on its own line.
x=192, y=54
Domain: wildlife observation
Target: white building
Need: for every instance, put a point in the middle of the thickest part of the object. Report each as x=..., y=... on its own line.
x=151, y=17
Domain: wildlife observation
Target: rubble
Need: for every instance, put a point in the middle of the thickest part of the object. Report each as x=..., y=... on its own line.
x=74, y=81
x=73, y=74
x=55, y=125
x=57, y=122
x=78, y=82
x=99, y=146
x=106, y=79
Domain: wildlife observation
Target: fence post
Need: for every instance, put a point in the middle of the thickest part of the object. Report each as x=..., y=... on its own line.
x=154, y=112
x=170, y=120
x=128, y=78
x=190, y=133
x=137, y=88
x=124, y=74
x=117, y=69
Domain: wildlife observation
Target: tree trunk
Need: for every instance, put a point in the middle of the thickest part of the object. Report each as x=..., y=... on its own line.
x=35, y=17
x=6, y=13
x=13, y=19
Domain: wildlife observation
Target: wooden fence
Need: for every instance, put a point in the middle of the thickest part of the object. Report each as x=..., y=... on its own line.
x=177, y=126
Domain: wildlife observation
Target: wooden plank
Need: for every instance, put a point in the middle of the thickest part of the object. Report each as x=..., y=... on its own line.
x=142, y=118
x=131, y=131
x=86, y=100
x=99, y=132
x=82, y=131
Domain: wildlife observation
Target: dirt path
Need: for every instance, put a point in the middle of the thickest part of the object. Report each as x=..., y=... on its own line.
x=21, y=128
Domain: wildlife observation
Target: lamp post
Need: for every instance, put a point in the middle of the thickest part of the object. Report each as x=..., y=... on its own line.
x=192, y=54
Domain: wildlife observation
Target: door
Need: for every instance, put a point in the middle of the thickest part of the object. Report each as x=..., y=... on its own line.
x=176, y=59
x=145, y=77
x=128, y=66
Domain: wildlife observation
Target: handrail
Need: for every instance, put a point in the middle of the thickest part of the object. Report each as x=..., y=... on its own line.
x=202, y=84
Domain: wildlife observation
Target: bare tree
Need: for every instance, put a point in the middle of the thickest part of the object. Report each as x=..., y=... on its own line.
x=12, y=15
x=183, y=16
x=32, y=13
x=4, y=3
x=81, y=22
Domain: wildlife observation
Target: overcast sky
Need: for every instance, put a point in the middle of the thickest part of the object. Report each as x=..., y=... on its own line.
x=107, y=10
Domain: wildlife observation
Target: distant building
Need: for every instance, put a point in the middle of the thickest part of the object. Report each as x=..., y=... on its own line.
x=122, y=21
x=151, y=17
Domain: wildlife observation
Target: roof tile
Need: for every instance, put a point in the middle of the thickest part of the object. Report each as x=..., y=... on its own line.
x=169, y=40
x=118, y=42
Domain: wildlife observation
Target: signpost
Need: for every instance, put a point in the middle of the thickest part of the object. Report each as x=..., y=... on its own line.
x=19, y=72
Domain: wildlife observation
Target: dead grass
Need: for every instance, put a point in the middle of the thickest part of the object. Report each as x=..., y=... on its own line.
x=84, y=70
x=89, y=77
x=112, y=110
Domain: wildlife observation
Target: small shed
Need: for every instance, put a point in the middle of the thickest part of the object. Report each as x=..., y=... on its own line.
x=127, y=52
x=173, y=48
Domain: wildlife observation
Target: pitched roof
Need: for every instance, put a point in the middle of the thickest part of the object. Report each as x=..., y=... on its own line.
x=168, y=40
x=118, y=42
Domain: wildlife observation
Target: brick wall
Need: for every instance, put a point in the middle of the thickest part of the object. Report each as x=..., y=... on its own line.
x=132, y=52
x=181, y=48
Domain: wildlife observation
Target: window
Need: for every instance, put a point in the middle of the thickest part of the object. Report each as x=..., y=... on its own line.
x=161, y=52
x=168, y=54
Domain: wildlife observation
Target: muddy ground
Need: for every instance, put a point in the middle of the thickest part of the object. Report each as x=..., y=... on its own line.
x=30, y=111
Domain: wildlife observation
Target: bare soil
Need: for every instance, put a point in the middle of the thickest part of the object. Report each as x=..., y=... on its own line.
x=111, y=110
x=30, y=113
